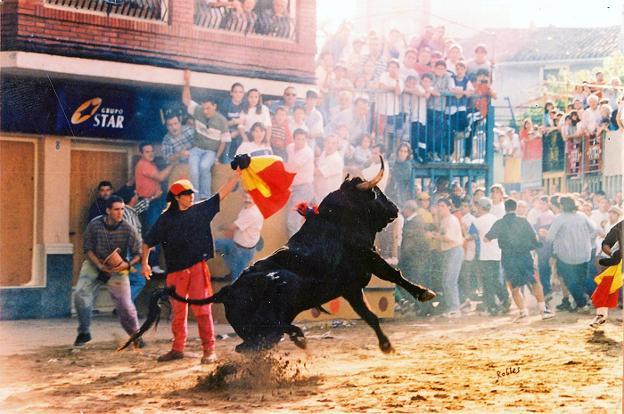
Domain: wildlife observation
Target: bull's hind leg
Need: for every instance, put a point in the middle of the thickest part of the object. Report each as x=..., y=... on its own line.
x=380, y=268
x=356, y=300
x=296, y=335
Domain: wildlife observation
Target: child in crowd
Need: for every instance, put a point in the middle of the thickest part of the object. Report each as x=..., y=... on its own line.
x=281, y=134
x=361, y=154
x=414, y=103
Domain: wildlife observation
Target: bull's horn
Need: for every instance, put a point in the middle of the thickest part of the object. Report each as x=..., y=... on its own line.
x=367, y=185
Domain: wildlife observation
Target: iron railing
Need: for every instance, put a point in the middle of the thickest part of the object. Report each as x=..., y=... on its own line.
x=154, y=10
x=441, y=130
x=209, y=15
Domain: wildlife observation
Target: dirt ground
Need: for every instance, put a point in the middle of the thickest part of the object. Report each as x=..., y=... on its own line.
x=558, y=366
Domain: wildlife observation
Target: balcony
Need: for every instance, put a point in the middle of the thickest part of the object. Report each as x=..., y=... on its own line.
x=151, y=10
x=233, y=17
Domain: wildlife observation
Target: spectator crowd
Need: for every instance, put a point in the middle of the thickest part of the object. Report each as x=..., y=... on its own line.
x=582, y=118
x=409, y=102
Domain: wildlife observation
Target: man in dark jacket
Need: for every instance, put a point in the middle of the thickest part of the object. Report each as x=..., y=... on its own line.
x=415, y=250
x=98, y=208
x=516, y=239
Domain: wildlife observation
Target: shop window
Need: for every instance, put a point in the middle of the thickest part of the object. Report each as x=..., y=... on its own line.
x=155, y=10
x=270, y=18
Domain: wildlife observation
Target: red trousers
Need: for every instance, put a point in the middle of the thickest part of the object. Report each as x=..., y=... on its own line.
x=194, y=283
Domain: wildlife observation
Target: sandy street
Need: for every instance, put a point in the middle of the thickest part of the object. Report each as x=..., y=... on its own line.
x=473, y=365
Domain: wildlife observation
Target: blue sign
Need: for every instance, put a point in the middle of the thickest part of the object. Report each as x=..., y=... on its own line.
x=94, y=112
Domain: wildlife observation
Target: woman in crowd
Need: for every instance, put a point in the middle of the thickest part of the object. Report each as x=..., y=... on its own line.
x=400, y=188
x=259, y=144
x=254, y=111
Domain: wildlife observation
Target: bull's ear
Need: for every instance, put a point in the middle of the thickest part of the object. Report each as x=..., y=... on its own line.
x=347, y=177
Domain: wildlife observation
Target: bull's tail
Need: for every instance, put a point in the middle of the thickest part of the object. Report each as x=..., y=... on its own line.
x=216, y=298
x=153, y=315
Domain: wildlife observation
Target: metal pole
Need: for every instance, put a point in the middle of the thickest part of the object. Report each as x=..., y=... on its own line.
x=489, y=145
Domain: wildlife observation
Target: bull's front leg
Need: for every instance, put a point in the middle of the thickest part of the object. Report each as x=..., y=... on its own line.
x=356, y=300
x=380, y=268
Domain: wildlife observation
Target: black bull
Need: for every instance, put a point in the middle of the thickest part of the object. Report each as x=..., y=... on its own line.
x=332, y=255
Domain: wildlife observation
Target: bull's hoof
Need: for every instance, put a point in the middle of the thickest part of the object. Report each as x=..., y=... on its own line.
x=386, y=347
x=300, y=341
x=426, y=294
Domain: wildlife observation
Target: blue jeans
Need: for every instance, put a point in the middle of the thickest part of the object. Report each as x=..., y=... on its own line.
x=453, y=259
x=200, y=165
x=574, y=277
x=236, y=257
x=543, y=265
x=137, y=282
x=119, y=289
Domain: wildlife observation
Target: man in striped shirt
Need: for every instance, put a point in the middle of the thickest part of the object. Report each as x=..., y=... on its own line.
x=176, y=145
x=103, y=236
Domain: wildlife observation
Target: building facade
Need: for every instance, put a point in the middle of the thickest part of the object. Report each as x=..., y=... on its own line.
x=82, y=83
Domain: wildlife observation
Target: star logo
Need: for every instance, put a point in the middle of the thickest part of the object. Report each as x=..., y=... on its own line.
x=86, y=110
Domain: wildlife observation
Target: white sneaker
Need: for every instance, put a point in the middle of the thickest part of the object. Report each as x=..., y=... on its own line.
x=547, y=314
x=598, y=320
x=522, y=317
x=157, y=270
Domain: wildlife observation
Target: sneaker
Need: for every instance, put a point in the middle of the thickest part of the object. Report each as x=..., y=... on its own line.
x=210, y=357
x=138, y=343
x=157, y=270
x=584, y=309
x=565, y=305
x=598, y=320
x=82, y=339
x=547, y=314
x=522, y=317
x=171, y=356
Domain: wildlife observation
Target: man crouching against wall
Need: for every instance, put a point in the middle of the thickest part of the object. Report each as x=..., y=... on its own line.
x=103, y=236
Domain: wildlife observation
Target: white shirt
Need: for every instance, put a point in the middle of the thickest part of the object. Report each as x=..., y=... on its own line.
x=253, y=149
x=452, y=230
x=388, y=103
x=248, y=226
x=415, y=105
x=487, y=250
x=301, y=163
x=498, y=210
x=591, y=119
x=330, y=177
x=251, y=117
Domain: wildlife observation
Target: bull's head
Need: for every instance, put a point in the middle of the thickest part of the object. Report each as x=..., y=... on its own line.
x=360, y=205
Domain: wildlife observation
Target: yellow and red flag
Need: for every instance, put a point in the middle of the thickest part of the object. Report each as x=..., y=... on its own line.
x=609, y=281
x=615, y=272
x=268, y=183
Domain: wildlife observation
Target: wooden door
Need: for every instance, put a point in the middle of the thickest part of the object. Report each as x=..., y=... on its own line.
x=17, y=191
x=88, y=168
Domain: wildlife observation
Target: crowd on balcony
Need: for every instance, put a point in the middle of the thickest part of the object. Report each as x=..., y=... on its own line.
x=261, y=17
x=582, y=118
x=425, y=91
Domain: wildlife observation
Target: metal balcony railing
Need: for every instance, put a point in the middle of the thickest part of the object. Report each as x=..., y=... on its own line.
x=442, y=129
x=213, y=15
x=154, y=10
